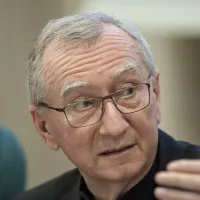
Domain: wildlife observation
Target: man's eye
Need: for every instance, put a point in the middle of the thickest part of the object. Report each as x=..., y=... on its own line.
x=128, y=91
x=82, y=104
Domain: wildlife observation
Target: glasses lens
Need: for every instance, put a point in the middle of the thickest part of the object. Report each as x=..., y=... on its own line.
x=132, y=99
x=84, y=113
x=89, y=111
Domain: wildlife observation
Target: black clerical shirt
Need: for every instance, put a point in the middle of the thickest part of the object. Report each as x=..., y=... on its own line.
x=71, y=186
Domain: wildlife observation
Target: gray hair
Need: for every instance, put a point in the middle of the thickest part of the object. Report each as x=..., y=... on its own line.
x=83, y=30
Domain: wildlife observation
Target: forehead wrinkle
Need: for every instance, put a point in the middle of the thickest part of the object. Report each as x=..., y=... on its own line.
x=105, y=57
x=101, y=67
x=95, y=54
x=78, y=71
x=54, y=57
x=70, y=86
x=104, y=46
x=84, y=65
x=111, y=41
x=108, y=44
x=110, y=34
x=55, y=53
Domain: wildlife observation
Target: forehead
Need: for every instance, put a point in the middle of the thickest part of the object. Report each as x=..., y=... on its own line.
x=64, y=63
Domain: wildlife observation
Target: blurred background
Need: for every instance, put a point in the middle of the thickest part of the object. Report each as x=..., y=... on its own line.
x=171, y=27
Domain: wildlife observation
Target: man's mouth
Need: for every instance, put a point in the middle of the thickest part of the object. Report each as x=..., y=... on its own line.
x=116, y=151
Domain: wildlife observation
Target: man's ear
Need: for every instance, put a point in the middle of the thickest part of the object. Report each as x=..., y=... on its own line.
x=156, y=90
x=39, y=120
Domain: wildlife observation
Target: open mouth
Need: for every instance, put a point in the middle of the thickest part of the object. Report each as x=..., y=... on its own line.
x=116, y=151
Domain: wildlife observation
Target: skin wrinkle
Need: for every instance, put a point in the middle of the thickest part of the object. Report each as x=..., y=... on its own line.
x=131, y=67
x=87, y=63
x=77, y=60
x=74, y=72
x=98, y=59
x=111, y=39
x=94, y=55
x=74, y=67
x=101, y=47
x=74, y=59
x=104, y=43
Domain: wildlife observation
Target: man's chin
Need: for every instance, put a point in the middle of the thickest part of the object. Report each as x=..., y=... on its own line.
x=121, y=172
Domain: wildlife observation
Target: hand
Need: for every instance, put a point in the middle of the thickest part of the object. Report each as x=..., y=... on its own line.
x=181, y=181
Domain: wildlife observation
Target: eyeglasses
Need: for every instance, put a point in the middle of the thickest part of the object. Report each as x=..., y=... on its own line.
x=89, y=111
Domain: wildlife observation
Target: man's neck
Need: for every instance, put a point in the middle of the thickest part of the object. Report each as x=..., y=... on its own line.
x=107, y=191
x=104, y=190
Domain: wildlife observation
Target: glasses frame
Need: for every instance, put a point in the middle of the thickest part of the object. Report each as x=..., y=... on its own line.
x=110, y=96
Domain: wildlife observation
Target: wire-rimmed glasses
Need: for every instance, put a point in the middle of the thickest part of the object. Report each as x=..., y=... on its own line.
x=89, y=111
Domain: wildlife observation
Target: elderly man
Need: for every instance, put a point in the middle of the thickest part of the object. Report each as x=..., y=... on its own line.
x=94, y=92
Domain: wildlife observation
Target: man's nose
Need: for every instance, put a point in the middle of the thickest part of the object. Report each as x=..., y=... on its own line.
x=112, y=122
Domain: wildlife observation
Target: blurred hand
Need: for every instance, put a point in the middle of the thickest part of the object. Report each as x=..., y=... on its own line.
x=181, y=181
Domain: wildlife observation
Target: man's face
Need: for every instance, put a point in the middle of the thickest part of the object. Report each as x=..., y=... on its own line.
x=101, y=70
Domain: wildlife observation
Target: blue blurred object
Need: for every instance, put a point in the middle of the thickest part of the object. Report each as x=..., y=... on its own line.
x=12, y=165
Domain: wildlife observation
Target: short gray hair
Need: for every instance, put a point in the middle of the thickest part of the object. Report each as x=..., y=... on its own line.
x=82, y=30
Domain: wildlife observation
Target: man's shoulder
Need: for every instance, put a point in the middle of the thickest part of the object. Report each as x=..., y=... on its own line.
x=53, y=189
x=191, y=151
x=180, y=148
x=170, y=149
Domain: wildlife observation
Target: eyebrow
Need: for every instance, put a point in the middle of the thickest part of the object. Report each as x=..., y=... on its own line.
x=70, y=86
x=131, y=66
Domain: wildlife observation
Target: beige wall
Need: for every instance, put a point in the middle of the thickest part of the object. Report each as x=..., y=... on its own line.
x=20, y=23
x=177, y=59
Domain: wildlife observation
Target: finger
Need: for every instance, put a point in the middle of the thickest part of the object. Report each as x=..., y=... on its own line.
x=179, y=180
x=189, y=166
x=172, y=194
